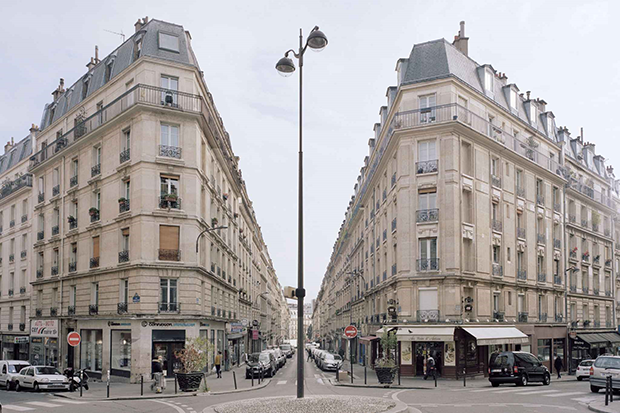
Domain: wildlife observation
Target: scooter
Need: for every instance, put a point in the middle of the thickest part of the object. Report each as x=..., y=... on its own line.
x=74, y=379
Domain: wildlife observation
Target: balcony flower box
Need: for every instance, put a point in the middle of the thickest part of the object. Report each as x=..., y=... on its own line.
x=71, y=219
x=122, y=201
x=93, y=211
x=170, y=197
x=225, y=196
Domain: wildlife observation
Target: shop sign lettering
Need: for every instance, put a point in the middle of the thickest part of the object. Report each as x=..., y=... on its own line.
x=44, y=328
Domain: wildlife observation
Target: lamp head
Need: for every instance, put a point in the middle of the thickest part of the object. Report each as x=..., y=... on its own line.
x=317, y=40
x=285, y=66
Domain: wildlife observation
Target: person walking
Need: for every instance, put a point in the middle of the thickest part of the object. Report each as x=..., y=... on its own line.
x=218, y=364
x=558, y=365
x=430, y=367
x=157, y=369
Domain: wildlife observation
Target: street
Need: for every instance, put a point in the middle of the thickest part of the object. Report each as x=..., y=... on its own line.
x=477, y=397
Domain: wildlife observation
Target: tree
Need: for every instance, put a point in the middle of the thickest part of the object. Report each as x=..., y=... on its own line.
x=309, y=332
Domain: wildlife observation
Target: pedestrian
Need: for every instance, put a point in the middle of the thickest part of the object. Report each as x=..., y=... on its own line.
x=309, y=355
x=558, y=365
x=157, y=369
x=430, y=367
x=218, y=364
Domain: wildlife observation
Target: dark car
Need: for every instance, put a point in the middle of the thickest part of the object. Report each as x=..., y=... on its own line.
x=287, y=350
x=259, y=363
x=517, y=367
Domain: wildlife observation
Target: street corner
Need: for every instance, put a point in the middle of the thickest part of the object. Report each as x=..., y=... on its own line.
x=599, y=407
x=312, y=404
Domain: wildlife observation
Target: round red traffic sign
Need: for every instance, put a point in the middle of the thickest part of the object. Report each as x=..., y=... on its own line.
x=350, y=332
x=73, y=338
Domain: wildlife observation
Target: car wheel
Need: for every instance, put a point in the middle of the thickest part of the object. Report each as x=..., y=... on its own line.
x=594, y=389
x=522, y=381
x=547, y=380
x=494, y=384
x=17, y=386
x=8, y=386
x=35, y=387
x=579, y=378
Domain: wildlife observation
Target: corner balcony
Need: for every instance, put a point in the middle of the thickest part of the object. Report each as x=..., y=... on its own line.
x=170, y=151
x=427, y=215
x=169, y=255
x=124, y=156
x=168, y=307
x=428, y=264
x=427, y=167
x=10, y=187
x=427, y=316
x=590, y=192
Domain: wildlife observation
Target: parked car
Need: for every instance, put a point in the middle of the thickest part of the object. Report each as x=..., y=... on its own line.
x=8, y=370
x=517, y=367
x=602, y=367
x=287, y=349
x=280, y=357
x=583, y=369
x=257, y=363
x=41, y=378
x=272, y=366
x=330, y=361
x=316, y=355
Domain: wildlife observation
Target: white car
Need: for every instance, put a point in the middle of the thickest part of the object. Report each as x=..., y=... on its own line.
x=603, y=367
x=8, y=370
x=40, y=378
x=583, y=369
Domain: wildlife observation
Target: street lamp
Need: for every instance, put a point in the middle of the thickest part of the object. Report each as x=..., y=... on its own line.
x=316, y=41
x=205, y=231
x=570, y=356
x=266, y=293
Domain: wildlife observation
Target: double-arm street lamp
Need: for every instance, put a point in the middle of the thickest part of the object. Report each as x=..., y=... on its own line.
x=316, y=41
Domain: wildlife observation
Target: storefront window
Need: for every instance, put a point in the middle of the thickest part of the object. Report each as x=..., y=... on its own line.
x=92, y=350
x=544, y=349
x=121, y=350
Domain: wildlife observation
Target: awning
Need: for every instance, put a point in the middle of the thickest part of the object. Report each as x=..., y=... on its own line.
x=594, y=338
x=234, y=336
x=415, y=333
x=368, y=339
x=486, y=336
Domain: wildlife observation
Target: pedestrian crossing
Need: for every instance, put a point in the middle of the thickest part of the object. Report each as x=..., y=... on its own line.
x=320, y=379
x=29, y=406
x=528, y=391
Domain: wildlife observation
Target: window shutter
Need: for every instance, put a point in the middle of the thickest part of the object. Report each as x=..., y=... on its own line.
x=95, y=247
x=125, y=232
x=168, y=237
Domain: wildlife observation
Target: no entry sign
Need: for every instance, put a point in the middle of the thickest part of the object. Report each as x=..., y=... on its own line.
x=350, y=332
x=73, y=338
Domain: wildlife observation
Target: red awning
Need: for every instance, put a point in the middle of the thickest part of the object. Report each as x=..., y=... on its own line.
x=368, y=339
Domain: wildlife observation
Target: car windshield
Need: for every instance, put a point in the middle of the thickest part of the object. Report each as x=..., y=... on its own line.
x=47, y=370
x=264, y=357
x=285, y=347
x=333, y=357
x=607, y=363
x=14, y=368
x=587, y=363
x=254, y=357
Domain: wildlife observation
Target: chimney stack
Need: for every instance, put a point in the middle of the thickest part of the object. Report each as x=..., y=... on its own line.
x=528, y=95
x=90, y=64
x=140, y=23
x=97, y=54
x=8, y=146
x=59, y=90
x=33, y=137
x=460, y=41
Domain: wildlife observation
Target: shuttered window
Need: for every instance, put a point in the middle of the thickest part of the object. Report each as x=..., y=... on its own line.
x=169, y=243
x=95, y=247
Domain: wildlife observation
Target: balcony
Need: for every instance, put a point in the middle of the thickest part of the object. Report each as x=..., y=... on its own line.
x=541, y=239
x=10, y=292
x=585, y=258
x=73, y=224
x=557, y=280
x=559, y=318
x=608, y=263
x=427, y=167
x=521, y=192
x=11, y=223
x=384, y=234
x=169, y=307
x=41, y=197
x=22, y=326
x=590, y=192
x=596, y=260
x=40, y=235
x=595, y=291
x=496, y=225
x=427, y=215
x=573, y=288
x=542, y=317
x=123, y=256
x=521, y=233
x=557, y=207
x=607, y=293
x=53, y=311
x=23, y=254
x=394, y=269
x=94, y=262
x=498, y=315
x=584, y=223
x=24, y=218
x=10, y=187
x=40, y=273
x=54, y=270
x=73, y=181
x=170, y=151
x=586, y=323
x=522, y=317
x=521, y=275
x=71, y=310
x=595, y=227
x=55, y=230
x=557, y=244
x=10, y=326
x=121, y=308
x=607, y=232
x=497, y=270
x=94, y=214
x=393, y=179
x=540, y=200
x=169, y=202
x=394, y=225
x=572, y=218
x=496, y=181
x=72, y=266
x=11, y=258
x=93, y=309
x=95, y=170
x=597, y=323
x=56, y=190
x=428, y=316
x=22, y=290
x=124, y=206
x=542, y=277
x=573, y=254
x=125, y=156
x=169, y=255
x=428, y=264
x=38, y=312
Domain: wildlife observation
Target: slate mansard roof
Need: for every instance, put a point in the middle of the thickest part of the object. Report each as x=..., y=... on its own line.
x=20, y=151
x=120, y=59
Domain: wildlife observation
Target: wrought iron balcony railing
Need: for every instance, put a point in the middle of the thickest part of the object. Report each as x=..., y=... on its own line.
x=520, y=232
x=73, y=181
x=431, y=316
x=559, y=318
x=10, y=326
x=521, y=275
x=498, y=270
x=40, y=235
x=572, y=218
x=540, y=200
x=10, y=187
x=427, y=167
x=23, y=254
x=542, y=277
x=557, y=244
x=542, y=317
x=94, y=262
x=38, y=312
x=496, y=225
x=585, y=289
x=93, y=309
x=72, y=266
x=22, y=326
x=557, y=207
x=73, y=224
x=170, y=151
x=522, y=316
x=94, y=216
x=521, y=192
x=573, y=255
x=55, y=270
x=55, y=230
x=40, y=272
x=11, y=223
x=166, y=202
x=541, y=239
x=123, y=256
x=584, y=223
x=496, y=181
x=11, y=257
x=170, y=307
x=121, y=308
x=125, y=155
x=22, y=290
x=124, y=206
x=95, y=170
x=53, y=311
x=498, y=315
x=557, y=280
x=24, y=218
x=573, y=288
x=71, y=310
x=41, y=197
x=56, y=190
x=427, y=215
x=169, y=255
x=590, y=192
x=428, y=264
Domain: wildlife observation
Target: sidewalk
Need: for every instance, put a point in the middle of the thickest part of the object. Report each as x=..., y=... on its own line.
x=600, y=407
x=127, y=391
x=417, y=382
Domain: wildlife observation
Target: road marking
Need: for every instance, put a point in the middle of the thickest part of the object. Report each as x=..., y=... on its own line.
x=320, y=381
x=43, y=404
x=482, y=390
x=537, y=392
x=177, y=408
x=509, y=391
x=69, y=401
x=15, y=407
x=564, y=394
x=282, y=382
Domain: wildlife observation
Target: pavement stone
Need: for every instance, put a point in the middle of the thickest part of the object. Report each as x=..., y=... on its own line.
x=600, y=407
x=312, y=404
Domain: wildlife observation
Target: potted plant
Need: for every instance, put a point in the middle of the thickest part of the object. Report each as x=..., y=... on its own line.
x=214, y=222
x=225, y=196
x=93, y=211
x=170, y=197
x=71, y=219
x=193, y=358
x=122, y=200
x=386, y=367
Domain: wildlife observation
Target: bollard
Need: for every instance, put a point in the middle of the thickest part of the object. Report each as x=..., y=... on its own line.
x=175, y=384
x=235, y=379
x=435, y=375
x=464, y=377
x=398, y=376
x=81, y=381
x=351, y=371
x=607, y=390
x=365, y=378
x=252, y=377
x=141, y=385
x=108, y=385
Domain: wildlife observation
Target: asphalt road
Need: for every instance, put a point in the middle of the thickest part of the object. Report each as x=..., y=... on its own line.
x=449, y=397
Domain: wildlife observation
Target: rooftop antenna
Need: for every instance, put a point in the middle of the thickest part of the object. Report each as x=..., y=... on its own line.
x=117, y=33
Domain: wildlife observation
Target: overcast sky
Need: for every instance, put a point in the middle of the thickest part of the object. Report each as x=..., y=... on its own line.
x=565, y=52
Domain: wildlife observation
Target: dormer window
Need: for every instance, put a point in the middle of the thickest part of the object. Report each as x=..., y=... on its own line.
x=550, y=127
x=533, y=114
x=108, y=72
x=513, y=99
x=85, y=88
x=168, y=42
x=488, y=81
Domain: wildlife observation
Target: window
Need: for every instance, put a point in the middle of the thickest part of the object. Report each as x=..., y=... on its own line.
x=497, y=252
x=467, y=158
x=169, y=185
x=97, y=155
x=75, y=168
x=169, y=96
x=520, y=261
x=168, y=42
x=124, y=291
x=127, y=189
x=488, y=81
x=426, y=151
x=73, y=296
x=73, y=253
x=513, y=99
x=495, y=167
x=108, y=72
x=428, y=254
x=125, y=239
x=521, y=303
x=169, y=243
x=170, y=135
x=533, y=114
x=427, y=201
x=427, y=108
x=41, y=186
x=126, y=142
x=168, y=289
x=94, y=293
x=85, y=88
x=96, y=249
x=92, y=350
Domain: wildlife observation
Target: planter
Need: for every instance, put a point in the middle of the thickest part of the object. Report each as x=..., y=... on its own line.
x=189, y=381
x=385, y=375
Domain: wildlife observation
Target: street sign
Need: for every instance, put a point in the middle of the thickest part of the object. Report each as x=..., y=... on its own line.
x=73, y=338
x=350, y=332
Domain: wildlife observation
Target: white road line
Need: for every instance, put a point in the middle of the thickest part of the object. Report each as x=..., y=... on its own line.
x=282, y=382
x=564, y=394
x=537, y=392
x=508, y=391
x=43, y=404
x=481, y=390
x=69, y=401
x=16, y=407
x=177, y=408
x=317, y=376
x=320, y=381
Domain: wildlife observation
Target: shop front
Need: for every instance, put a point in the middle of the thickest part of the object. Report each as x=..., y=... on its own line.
x=369, y=350
x=44, y=345
x=165, y=344
x=591, y=345
x=15, y=347
x=417, y=344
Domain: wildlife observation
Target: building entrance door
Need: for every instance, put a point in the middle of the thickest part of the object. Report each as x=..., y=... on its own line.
x=165, y=344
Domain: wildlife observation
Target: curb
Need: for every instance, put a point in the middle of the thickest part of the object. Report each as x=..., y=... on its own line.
x=601, y=409
x=378, y=386
x=160, y=396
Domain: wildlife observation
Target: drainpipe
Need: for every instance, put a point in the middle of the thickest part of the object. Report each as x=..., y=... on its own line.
x=61, y=224
x=569, y=357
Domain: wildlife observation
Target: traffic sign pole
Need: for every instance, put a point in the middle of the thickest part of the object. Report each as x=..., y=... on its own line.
x=350, y=332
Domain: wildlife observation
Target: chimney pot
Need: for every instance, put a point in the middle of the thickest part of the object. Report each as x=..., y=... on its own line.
x=460, y=41
x=138, y=25
x=528, y=95
x=462, y=31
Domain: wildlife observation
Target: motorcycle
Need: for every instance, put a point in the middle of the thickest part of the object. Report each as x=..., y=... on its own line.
x=74, y=379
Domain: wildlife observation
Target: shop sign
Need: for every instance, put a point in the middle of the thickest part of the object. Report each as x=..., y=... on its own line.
x=236, y=327
x=254, y=334
x=159, y=324
x=22, y=340
x=115, y=323
x=203, y=324
x=449, y=358
x=44, y=328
